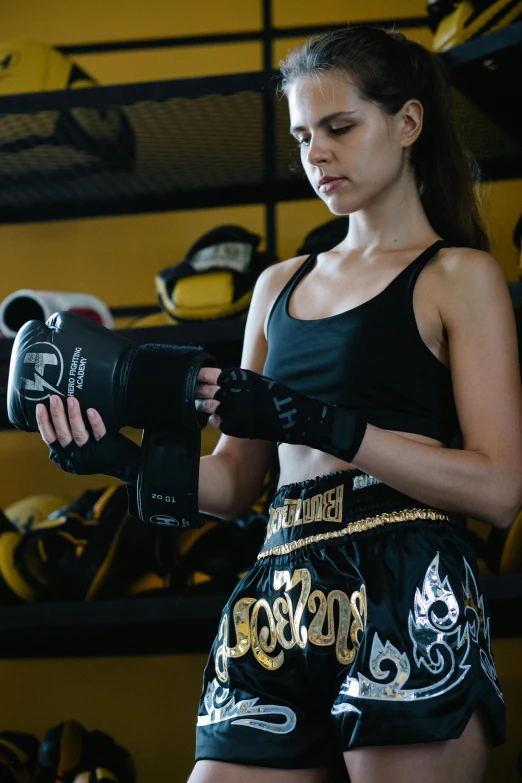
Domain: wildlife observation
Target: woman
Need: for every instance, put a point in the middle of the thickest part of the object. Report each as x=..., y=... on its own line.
x=361, y=634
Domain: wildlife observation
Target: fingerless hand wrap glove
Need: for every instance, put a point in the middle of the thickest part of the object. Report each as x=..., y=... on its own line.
x=113, y=455
x=252, y=406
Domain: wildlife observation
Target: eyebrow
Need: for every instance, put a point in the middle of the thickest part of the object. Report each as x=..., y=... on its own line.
x=323, y=121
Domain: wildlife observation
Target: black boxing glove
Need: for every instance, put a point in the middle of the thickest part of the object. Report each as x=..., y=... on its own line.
x=113, y=455
x=127, y=383
x=252, y=406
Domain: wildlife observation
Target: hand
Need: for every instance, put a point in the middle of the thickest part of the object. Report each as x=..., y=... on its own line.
x=75, y=451
x=256, y=407
x=206, y=389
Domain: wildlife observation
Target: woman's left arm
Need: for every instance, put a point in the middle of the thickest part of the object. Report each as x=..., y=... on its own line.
x=484, y=478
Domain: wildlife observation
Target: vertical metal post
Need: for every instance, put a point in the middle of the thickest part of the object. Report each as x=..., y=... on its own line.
x=269, y=129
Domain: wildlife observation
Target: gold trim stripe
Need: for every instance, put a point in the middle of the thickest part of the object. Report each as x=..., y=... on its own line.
x=357, y=527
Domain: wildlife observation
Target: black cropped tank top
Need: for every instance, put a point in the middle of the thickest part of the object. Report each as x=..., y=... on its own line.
x=371, y=358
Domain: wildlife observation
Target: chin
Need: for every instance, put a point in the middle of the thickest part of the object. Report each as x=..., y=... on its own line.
x=338, y=206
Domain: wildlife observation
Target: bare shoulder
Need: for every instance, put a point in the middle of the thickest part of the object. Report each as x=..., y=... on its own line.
x=467, y=280
x=459, y=261
x=273, y=279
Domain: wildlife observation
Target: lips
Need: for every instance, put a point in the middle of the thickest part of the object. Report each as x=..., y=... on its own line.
x=327, y=184
x=325, y=179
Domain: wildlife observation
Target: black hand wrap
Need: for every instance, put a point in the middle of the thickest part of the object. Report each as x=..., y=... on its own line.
x=113, y=455
x=252, y=406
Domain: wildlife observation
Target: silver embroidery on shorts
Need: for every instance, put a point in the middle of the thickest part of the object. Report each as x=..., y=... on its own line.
x=219, y=709
x=441, y=644
x=360, y=482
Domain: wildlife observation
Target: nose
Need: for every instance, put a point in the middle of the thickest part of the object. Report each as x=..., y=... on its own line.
x=318, y=151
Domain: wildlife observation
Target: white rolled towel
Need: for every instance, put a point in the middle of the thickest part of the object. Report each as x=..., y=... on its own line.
x=25, y=305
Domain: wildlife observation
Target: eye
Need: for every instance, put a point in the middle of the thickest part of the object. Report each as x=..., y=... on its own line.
x=341, y=131
x=303, y=142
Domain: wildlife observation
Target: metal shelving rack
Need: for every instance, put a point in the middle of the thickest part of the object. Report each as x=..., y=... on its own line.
x=142, y=173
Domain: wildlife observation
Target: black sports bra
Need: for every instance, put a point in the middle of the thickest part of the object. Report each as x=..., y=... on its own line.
x=370, y=358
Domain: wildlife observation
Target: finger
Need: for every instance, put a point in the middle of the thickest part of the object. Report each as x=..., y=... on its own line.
x=96, y=422
x=78, y=429
x=215, y=421
x=206, y=391
x=206, y=406
x=59, y=420
x=209, y=375
x=47, y=430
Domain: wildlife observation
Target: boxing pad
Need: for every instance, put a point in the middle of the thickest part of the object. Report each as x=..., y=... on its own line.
x=69, y=555
x=18, y=757
x=324, y=237
x=71, y=753
x=25, y=305
x=14, y=589
x=216, y=278
x=79, y=140
x=30, y=511
x=453, y=22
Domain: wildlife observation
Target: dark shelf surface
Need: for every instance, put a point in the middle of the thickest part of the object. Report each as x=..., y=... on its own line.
x=168, y=624
x=213, y=141
x=132, y=626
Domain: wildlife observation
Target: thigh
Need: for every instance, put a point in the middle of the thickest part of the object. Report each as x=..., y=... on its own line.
x=461, y=760
x=222, y=772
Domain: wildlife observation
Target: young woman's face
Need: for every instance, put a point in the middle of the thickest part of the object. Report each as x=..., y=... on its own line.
x=350, y=150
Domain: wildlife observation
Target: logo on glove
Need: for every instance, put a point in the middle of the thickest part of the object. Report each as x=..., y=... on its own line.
x=161, y=519
x=42, y=372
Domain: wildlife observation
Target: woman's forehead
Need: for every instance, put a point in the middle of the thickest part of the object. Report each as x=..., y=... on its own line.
x=321, y=94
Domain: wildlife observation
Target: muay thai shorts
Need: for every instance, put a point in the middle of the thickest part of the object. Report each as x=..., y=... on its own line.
x=363, y=622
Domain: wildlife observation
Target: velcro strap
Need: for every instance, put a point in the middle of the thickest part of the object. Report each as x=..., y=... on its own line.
x=167, y=492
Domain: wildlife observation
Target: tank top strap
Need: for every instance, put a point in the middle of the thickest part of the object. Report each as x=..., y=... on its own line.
x=418, y=265
x=286, y=291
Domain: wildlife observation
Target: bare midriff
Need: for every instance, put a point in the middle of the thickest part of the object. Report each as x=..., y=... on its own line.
x=300, y=463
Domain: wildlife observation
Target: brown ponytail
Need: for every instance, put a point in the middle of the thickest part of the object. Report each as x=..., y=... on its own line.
x=389, y=69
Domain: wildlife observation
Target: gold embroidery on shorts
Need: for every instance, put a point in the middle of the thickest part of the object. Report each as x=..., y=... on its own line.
x=352, y=621
x=356, y=527
x=261, y=626
x=323, y=507
x=241, y=620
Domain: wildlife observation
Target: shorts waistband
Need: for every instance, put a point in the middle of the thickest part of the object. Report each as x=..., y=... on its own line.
x=336, y=505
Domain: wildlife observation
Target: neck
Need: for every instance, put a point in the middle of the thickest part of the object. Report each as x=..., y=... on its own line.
x=395, y=221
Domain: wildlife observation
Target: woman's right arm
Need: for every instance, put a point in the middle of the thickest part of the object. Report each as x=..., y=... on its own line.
x=231, y=479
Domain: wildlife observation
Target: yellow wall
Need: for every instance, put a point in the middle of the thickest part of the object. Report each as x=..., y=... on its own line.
x=149, y=703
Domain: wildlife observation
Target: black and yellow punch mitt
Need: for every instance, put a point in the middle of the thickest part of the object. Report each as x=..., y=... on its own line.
x=215, y=279
x=68, y=555
x=71, y=754
x=453, y=22
x=324, y=237
x=56, y=142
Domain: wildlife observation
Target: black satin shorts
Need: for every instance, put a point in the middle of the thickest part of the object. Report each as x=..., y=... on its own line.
x=363, y=622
